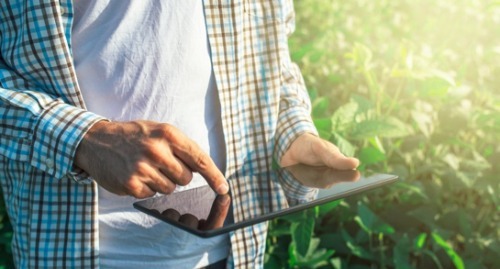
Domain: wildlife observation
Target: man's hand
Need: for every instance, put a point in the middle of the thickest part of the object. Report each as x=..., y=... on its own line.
x=312, y=150
x=141, y=158
x=321, y=177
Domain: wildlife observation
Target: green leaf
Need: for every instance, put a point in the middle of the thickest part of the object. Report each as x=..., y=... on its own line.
x=419, y=241
x=434, y=87
x=313, y=248
x=336, y=263
x=455, y=258
x=413, y=188
x=364, y=105
x=360, y=251
x=319, y=106
x=328, y=207
x=376, y=143
x=279, y=230
x=452, y=160
x=272, y=262
x=344, y=117
x=361, y=55
x=334, y=241
x=320, y=258
x=315, y=257
x=400, y=129
x=371, y=155
x=377, y=127
x=323, y=125
x=424, y=121
x=302, y=233
x=344, y=146
x=293, y=255
x=402, y=253
x=297, y=55
x=370, y=222
x=425, y=214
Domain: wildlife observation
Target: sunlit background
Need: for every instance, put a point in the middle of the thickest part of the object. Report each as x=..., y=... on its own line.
x=411, y=87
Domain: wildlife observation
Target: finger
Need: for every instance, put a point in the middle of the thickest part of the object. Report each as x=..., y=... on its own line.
x=218, y=213
x=189, y=220
x=172, y=167
x=171, y=214
x=156, y=180
x=322, y=176
x=177, y=171
x=200, y=162
x=161, y=184
x=139, y=189
x=332, y=157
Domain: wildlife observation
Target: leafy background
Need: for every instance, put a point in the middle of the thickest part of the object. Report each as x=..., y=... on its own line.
x=411, y=87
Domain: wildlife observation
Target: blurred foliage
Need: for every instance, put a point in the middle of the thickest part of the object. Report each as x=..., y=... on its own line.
x=410, y=88
x=5, y=238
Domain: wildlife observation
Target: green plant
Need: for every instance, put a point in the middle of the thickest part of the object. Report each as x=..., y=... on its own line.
x=5, y=238
x=410, y=88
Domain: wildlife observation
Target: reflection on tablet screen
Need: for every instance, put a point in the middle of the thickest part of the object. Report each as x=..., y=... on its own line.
x=272, y=194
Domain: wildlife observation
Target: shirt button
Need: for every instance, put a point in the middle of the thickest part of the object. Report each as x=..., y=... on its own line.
x=63, y=10
x=49, y=163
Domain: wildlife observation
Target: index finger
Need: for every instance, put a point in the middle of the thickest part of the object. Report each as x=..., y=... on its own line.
x=218, y=213
x=194, y=157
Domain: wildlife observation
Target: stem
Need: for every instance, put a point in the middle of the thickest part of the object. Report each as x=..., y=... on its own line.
x=433, y=257
x=382, y=254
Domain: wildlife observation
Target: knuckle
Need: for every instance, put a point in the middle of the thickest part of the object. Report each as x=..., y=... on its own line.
x=168, y=130
x=142, y=195
x=184, y=178
x=178, y=173
x=141, y=167
x=162, y=130
x=134, y=188
x=164, y=186
x=201, y=161
x=168, y=189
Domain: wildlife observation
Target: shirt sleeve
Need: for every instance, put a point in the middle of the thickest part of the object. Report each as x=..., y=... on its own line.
x=40, y=129
x=294, y=109
x=295, y=106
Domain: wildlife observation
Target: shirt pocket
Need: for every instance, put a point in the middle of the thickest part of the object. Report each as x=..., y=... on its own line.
x=264, y=10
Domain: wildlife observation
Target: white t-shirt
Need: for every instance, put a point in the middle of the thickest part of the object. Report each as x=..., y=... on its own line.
x=149, y=60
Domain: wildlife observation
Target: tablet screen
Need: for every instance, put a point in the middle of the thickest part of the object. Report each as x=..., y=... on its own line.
x=258, y=197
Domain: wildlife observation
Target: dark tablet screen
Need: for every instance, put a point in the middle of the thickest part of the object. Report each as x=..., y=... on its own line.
x=257, y=197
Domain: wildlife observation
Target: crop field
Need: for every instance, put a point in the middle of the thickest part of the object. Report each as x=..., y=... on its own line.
x=410, y=87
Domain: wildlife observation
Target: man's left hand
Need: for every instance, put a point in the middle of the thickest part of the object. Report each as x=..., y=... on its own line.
x=311, y=150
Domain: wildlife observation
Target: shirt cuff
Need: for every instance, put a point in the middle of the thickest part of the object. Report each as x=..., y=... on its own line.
x=291, y=124
x=57, y=133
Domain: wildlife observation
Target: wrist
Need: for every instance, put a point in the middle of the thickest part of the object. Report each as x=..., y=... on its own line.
x=82, y=154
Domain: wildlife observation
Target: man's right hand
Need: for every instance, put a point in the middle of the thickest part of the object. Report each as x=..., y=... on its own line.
x=140, y=158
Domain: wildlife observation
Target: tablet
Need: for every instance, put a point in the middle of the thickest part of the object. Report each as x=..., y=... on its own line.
x=255, y=198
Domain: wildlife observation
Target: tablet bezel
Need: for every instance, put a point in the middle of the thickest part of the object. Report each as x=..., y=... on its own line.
x=378, y=181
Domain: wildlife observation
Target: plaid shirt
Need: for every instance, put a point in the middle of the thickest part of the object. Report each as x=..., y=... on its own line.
x=53, y=205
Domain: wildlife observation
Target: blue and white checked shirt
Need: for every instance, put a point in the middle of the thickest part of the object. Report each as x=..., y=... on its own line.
x=53, y=205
